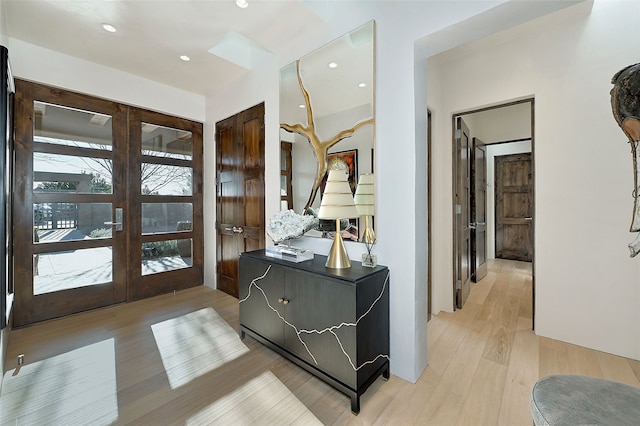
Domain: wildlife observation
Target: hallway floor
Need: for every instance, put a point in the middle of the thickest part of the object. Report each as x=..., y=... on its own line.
x=177, y=359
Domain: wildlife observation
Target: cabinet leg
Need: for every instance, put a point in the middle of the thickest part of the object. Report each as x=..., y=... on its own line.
x=385, y=373
x=242, y=335
x=355, y=403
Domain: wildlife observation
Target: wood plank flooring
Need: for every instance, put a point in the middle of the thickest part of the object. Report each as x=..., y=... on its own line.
x=150, y=363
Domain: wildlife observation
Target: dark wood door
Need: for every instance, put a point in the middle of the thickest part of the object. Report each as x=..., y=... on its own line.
x=166, y=245
x=71, y=151
x=108, y=203
x=462, y=200
x=514, y=207
x=478, y=211
x=240, y=192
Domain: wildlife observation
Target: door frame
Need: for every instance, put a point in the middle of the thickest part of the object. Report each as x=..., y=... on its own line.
x=531, y=101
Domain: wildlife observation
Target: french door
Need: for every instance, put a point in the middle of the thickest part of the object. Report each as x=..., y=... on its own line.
x=106, y=198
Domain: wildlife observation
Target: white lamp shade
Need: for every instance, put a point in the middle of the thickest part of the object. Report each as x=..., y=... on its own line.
x=337, y=201
x=364, y=197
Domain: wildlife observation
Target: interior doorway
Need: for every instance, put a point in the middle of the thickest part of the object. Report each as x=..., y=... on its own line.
x=504, y=129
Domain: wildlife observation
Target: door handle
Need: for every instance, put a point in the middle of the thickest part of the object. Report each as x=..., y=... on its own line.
x=119, y=221
x=528, y=218
x=235, y=229
x=472, y=225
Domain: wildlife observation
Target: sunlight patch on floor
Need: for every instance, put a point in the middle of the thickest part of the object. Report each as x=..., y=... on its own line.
x=263, y=400
x=195, y=344
x=77, y=387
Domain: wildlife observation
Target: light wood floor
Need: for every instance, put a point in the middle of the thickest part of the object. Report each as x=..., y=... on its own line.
x=154, y=362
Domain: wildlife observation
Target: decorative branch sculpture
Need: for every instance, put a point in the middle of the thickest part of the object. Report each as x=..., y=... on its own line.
x=320, y=148
x=625, y=104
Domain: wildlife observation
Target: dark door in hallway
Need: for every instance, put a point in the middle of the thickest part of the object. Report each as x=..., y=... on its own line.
x=478, y=211
x=462, y=212
x=514, y=207
x=240, y=192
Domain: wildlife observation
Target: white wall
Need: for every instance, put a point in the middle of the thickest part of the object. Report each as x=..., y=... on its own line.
x=501, y=124
x=34, y=63
x=587, y=287
x=398, y=227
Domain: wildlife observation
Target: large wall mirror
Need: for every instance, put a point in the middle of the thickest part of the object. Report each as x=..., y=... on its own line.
x=335, y=119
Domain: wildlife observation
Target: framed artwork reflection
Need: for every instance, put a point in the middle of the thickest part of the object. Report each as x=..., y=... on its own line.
x=347, y=161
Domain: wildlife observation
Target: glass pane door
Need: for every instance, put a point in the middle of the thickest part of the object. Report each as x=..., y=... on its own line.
x=108, y=203
x=167, y=180
x=72, y=252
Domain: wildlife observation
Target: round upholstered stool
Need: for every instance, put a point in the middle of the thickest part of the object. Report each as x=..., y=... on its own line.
x=582, y=400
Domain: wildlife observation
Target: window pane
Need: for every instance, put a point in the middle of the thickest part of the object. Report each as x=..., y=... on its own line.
x=65, y=173
x=68, y=126
x=162, y=256
x=166, y=217
x=159, y=179
x=71, y=269
x=71, y=221
x=161, y=141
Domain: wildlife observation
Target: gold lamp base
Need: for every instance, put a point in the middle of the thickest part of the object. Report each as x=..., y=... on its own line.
x=368, y=236
x=338, y=257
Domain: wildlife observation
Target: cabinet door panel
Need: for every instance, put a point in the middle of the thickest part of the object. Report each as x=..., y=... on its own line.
x=323, y=312
x=261, y=286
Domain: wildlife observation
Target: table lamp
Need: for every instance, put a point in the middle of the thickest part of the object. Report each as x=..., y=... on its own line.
x=337, y=203
x=365, y=204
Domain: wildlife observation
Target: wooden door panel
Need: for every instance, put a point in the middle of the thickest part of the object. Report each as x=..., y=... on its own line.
x=253, y=156
x=228, y=265
x=160, y=145
x=462, y=285
x=514, y=207
x=72, y=285
x=240, y=194
x=516, y=236
x=478, y=211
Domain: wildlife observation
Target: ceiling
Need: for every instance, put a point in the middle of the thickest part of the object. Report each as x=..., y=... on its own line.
x=151, y=35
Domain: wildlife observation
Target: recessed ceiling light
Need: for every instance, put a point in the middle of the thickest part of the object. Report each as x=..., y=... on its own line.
x=362, y=85
x=185, y=58
x=242, y=4
x=301, y=106
x=332, y=65
x=109, y=27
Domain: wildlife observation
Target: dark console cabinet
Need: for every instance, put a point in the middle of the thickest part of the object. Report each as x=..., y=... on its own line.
x=334, y=323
